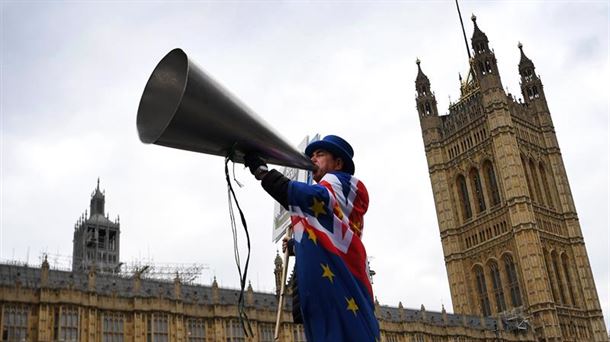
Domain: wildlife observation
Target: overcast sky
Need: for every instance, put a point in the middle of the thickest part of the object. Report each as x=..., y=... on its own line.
x=73, y=73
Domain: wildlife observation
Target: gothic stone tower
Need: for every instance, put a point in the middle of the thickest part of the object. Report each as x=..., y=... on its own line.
x=509, y=229
x=96, y=238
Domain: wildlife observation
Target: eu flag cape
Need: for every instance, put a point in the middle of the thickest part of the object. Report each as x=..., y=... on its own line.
x=332, y=270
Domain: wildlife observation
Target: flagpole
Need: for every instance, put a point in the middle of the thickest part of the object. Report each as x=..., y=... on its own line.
x=280, y=304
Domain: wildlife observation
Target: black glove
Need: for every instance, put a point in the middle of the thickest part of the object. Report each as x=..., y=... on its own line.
x=288, y=243
x=256, y=164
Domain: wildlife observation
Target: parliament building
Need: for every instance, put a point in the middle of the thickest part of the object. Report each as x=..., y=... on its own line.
x=511, y=238
x=514, y=252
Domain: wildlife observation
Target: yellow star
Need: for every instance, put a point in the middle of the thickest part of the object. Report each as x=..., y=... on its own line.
x=327, y=273
x=337, y=210
x=351, y=305
x=317, y=207
x=312, y=236
x=356, y=227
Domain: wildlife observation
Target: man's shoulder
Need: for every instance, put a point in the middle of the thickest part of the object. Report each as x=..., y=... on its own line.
x=342, y=177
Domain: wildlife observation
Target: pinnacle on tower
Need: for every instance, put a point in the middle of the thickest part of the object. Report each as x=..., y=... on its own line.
x=484, y=63
x=531, y=85
x=479, y=39
x=422, y=83
x=98, y=200
x=426, y=101
x=421, y=78
x=526, y=66
x=278, y=259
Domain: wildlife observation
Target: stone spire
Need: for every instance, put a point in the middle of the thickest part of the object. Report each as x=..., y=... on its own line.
x=98, y=200
x=484, y=63
x=524, y=62
x=479, y=40
x=421, y=77
x=531, y=84
x=277, y=271
x=426, y=101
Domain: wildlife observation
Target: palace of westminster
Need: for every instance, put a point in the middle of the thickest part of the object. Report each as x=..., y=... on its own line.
x=516, y=261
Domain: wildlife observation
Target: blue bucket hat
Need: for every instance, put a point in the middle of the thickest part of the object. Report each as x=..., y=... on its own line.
x=338, y=147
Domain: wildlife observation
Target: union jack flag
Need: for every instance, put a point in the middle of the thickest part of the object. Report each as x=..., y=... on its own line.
x=333, y=281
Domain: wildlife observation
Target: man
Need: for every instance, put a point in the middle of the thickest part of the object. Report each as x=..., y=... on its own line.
x=336, y=297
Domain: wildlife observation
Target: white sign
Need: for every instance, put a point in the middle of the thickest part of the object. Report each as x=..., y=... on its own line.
x=281, y=217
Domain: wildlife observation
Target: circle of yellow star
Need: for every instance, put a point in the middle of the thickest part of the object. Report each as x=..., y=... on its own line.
x=351, y=305
x=317, y=207
x=327, y=273
x=312, y=236
x=337, y=210
x=356, y=227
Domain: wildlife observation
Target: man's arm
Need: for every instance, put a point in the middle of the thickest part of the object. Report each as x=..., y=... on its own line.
x=273, y=181
x=276, y=185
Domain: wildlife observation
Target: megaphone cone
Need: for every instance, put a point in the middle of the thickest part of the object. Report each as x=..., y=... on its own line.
x=182, y=107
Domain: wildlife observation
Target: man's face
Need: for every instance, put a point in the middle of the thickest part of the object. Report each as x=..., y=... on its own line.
x=324, y=162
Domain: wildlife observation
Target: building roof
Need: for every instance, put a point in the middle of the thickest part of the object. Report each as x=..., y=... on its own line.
x=124, y=286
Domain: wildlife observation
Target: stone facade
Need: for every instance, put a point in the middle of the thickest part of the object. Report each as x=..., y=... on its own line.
x=509, y=229
x=40, y=304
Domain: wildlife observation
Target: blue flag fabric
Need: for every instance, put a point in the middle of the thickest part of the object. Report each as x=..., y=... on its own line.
x=332, y=271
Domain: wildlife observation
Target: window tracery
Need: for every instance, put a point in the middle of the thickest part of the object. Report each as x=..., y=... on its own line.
x=482, y=289
x=475, y=182
x=566, y=270
x=513, y=282
x=494, y=193
x=465, y=200
x=497, y=286
x=534, y=175
x=561, y=289
x=545, y=185
x=527, y=178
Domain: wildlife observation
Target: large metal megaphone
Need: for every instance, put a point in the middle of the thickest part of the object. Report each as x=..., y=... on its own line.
x=184, y=108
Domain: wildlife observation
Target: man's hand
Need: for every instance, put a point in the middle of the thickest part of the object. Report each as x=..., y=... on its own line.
x=256, y=164
x=288, y=243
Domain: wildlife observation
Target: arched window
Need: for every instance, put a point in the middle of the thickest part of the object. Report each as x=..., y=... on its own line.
x=482, y=289
x=527, y=178
x=497, y=286
x=463, y=190
x=488, y=66
x=482, y=68
x=513, y=282
x=492, y=184
x=545, y=185
x=428, y=110
x=566, y=270
x=534, y=174
x=475, y=184
x=528, y=74
x=555, y=262
x=551, y=275
x=480, y=47
x=535, y=91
